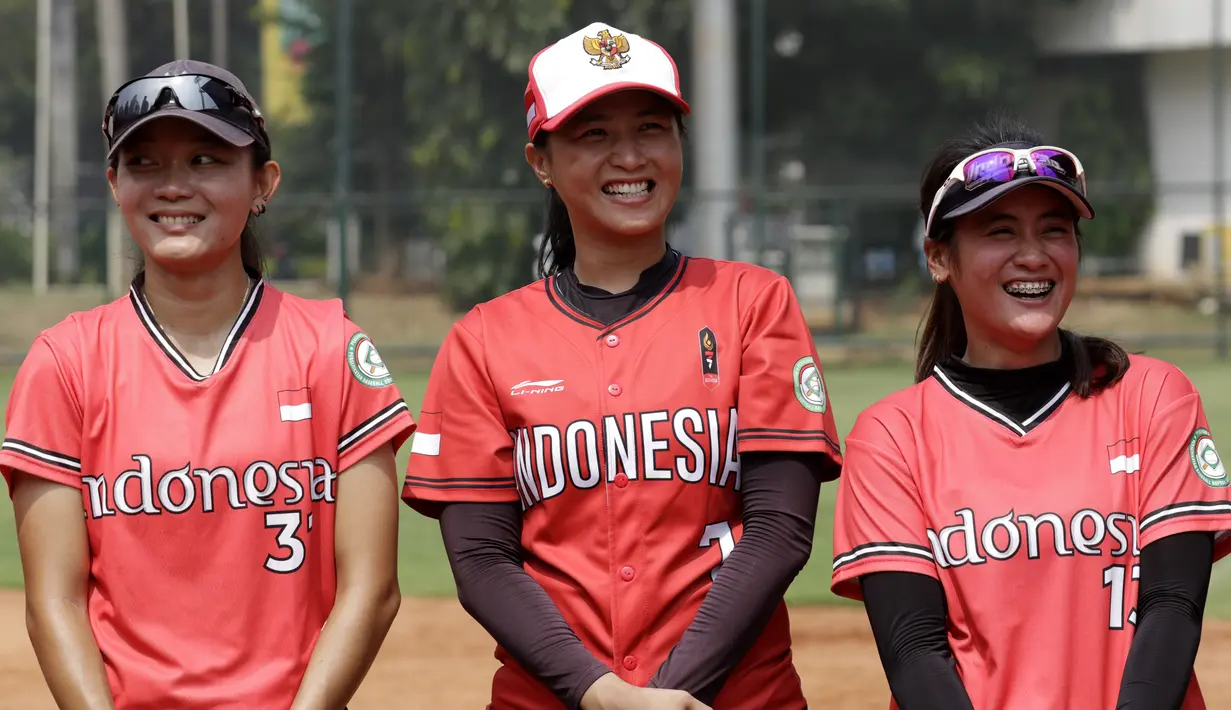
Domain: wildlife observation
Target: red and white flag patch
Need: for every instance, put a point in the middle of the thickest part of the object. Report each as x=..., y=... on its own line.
x=295, y=405
x=1124, y=456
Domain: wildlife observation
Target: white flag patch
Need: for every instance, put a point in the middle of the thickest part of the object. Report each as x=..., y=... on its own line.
x=1124, y=456
x=295, y=405
x=425, y=444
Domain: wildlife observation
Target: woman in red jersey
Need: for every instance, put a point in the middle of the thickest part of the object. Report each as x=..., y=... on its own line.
x=1032, y=524
x=232, y=446
x=625, y=456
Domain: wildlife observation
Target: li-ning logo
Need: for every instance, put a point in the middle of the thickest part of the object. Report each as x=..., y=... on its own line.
x=608, y=52
x=536, y=387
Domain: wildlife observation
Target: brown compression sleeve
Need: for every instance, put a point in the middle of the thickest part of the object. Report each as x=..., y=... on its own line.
x=780, y=492
x=483, y=542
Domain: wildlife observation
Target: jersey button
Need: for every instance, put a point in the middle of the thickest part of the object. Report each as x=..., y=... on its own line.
x=627, y=573
x=630, y=663
x=614, y=390
x=613, y=340
x=621, y=479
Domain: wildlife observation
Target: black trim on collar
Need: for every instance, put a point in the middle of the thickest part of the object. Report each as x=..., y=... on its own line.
x=558, y=294
x=1022, y=427
x=144, y=314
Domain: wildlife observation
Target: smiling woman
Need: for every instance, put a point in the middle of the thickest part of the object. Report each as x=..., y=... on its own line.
x=618, y=548
x=234, y=445
x=1014, y=423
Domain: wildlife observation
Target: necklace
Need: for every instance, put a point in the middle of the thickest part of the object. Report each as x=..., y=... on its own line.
x=247, y=293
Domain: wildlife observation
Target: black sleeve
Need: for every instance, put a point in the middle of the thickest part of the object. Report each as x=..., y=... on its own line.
x=483, y=542
x=1175, y=576
x=780, y=492
x=907, y=613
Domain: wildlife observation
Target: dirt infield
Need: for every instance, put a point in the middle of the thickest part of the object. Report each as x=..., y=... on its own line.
x=437, y=657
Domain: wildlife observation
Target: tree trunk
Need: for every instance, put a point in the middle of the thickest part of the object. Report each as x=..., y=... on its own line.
x=65, y=212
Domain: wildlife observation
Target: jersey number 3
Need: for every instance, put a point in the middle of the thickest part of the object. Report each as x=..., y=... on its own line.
x=287, y=522
x=719, y=532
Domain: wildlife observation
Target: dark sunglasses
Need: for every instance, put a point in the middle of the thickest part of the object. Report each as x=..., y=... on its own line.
x=191, y=92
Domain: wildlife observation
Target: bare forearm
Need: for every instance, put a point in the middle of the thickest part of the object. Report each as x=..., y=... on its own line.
x=68, y=655
x=344, y=652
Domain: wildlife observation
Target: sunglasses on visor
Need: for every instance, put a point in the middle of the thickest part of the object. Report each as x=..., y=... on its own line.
x=141, y=97
x=997, y=166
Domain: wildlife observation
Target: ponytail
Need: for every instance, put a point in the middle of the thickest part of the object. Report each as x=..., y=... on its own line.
x=944, y=331
x=1098, y=363
x=558, y=250
x=250, y=249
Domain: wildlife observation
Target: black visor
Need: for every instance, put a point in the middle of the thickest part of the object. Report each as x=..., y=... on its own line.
x=208, y=101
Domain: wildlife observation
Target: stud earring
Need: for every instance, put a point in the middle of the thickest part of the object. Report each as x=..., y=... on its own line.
x=936, y=277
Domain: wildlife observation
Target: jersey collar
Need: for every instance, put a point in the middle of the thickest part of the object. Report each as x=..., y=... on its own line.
x=136, y=296
x=655, y=284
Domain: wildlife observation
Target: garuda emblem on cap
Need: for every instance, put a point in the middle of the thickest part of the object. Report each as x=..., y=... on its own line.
x=608, y=52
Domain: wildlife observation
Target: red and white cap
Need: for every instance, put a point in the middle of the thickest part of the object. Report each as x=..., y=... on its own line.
x=592, y=62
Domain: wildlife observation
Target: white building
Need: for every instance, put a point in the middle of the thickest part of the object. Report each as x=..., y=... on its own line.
x=1178, y=39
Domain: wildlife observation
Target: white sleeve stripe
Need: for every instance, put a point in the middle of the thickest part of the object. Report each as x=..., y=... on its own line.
x=43, y=455
x=879, y=549
x=372, y=423
x=1180, y=510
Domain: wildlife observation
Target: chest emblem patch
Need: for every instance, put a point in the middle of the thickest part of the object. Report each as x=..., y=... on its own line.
x=1206, y=462
x=809, y=386
x=365, y=363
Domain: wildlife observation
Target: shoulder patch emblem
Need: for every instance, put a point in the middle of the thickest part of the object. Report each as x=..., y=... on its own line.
x=809, y=386
x=365, y=363
x=1206, y=462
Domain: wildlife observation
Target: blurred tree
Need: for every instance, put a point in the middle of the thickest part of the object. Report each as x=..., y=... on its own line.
x=859, y=92
x=439, y=104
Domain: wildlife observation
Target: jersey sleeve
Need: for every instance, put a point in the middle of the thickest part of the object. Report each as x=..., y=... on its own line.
x=1184, y=481
x=373, y=411
x=879, y=520
x=43, y=420
x=783, y=404
x=462, y=451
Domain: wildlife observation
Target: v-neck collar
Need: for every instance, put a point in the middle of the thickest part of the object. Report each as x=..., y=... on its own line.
x=1022, y=427
x=557, y=294
x=136, y=297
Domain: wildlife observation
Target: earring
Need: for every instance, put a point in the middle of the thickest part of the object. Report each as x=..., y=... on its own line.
x=936, y=277
x=547, y=183
x=260, y=207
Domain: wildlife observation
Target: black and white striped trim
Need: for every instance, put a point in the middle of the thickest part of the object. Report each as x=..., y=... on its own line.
x=51, y=458
x=1019, y=428
x=146, y=316
x=371, y=424
x=882, y=549
x=1184, y=510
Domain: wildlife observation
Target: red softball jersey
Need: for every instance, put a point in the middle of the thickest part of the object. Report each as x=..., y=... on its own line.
x=622, y=443
x=208, y=498
x=1033, y=528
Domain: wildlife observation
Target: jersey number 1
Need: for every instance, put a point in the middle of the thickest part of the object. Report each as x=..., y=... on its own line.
x=719, y=532
x=1113, y=577
x=287, y=522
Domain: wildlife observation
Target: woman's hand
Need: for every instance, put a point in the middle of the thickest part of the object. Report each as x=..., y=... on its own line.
x=611, y=693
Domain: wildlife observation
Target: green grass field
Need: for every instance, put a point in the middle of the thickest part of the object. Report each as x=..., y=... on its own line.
x=425, y=572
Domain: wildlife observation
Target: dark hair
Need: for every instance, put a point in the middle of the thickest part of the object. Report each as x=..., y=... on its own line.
x=250, y=251
x=1098, y=363
x=558, y=250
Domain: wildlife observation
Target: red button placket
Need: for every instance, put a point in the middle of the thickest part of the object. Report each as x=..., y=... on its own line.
x=619, y=397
